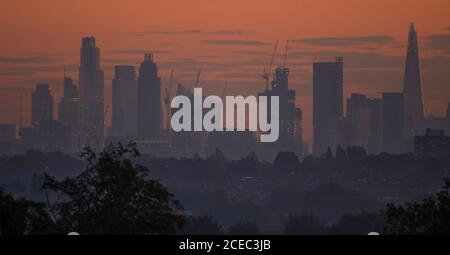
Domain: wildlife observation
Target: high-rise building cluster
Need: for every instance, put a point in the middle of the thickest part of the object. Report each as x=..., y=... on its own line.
x=394, y=123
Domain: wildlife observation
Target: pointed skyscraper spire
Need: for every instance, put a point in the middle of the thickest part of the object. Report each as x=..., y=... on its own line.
x=412, y=88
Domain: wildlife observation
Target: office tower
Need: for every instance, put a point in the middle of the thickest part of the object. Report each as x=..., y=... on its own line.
x=327, y=104
x=41, y=104
x=358, y=117
x=91, y=95
x=393, y=115
x=45, y=133
x=376, y=125
x=291, y=133
x=124, y=103
x=290, y=117
x=412, y=89
x=69, y=110
x=149, y=100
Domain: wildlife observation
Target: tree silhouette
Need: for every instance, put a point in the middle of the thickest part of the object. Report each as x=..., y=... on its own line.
x=431, y=216
x=358, y=224
x=113, y=196
x=21, y=216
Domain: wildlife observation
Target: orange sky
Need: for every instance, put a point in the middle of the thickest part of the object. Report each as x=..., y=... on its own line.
x=229, y=40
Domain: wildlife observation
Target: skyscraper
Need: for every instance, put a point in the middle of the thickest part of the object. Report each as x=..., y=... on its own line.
x=328, y=86
x=69, y=110
x=45, y=133
x=358, y=117
x=290, y=137
x=124, y=103
x=393, y=115
x=364, y=122
x=41, y=104
x=412, y=89
x=91, y=95
x=149, y=100
x=376, y=125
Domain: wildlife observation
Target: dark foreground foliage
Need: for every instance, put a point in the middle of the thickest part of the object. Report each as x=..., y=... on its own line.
x=429, y=217
x=111, y=196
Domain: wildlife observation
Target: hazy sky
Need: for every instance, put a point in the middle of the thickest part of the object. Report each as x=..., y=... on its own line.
x=231, y=41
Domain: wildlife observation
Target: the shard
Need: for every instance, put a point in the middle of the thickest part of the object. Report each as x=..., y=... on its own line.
x=412, y=88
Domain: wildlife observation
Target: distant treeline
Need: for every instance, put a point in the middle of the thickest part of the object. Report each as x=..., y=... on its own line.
x=346, y=193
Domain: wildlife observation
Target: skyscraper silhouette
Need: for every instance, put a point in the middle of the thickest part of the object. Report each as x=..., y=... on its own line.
x=412, y=88
x=393, y=115
x=376, y=125
x=290, y=137
x=41, y=104
x=45, y=133
x=364, y=122
x=328, y=86
x=358, y=117
x=149, y=100
x=69, y=110
x=91, y=95
x=124, y=103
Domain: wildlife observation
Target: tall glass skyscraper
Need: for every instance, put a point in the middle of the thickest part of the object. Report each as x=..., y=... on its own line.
x=328, y=87
x=91, y=95
x=124, y=103
x=149, y=100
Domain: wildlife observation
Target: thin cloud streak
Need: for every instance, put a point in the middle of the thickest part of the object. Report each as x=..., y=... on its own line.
x=235, y=42
x=138, y=52
x=26, y=59
x=195, y=31
x=347, y=41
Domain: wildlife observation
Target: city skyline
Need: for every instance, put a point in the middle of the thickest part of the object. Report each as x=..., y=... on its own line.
x=374, y=64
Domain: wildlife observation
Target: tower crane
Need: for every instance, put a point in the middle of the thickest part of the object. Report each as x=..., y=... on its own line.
x=285, y=54
x=197, y=80
x=266, y=74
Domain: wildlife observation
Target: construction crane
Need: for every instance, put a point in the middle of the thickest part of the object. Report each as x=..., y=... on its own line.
x=167, y=100
x=285, y=54
x=197, y=79
x=266, y=74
